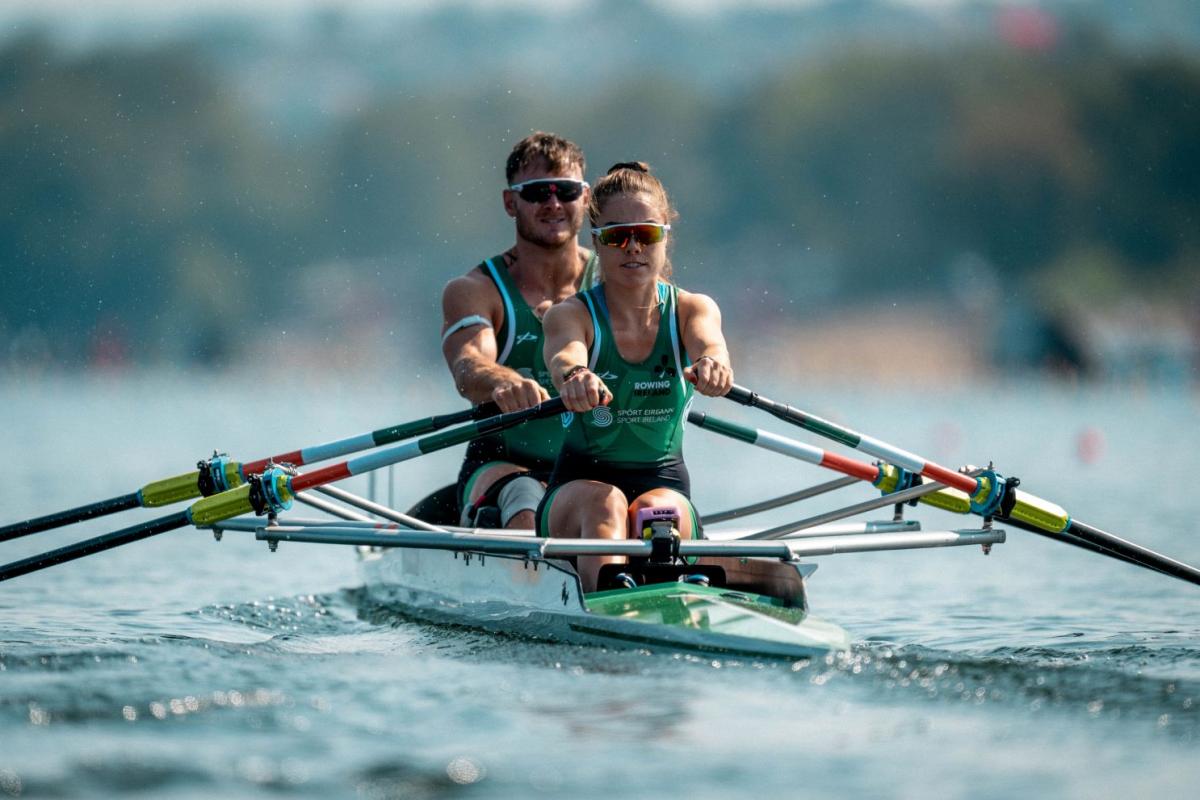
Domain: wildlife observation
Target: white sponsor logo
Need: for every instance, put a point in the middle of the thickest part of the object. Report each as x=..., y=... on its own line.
x=601, y=417
x=527, y=337
x=607, y=376
x=665, y=384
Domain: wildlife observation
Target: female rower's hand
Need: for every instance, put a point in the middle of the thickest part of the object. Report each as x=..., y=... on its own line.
x=518, y=394
x=711, y=377
x=583, y=391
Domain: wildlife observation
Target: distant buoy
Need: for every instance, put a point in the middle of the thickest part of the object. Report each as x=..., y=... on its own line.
x=947, y=438
x=1089, y=446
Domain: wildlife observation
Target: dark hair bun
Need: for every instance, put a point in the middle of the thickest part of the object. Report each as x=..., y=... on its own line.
x=636, y=166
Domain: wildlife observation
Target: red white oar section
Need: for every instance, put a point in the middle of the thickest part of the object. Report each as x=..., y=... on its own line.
x=990, y=494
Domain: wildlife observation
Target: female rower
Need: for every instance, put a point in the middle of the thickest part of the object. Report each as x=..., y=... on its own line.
x=625, y=355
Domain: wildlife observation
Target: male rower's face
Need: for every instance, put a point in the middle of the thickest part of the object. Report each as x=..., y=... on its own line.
x=550, y=224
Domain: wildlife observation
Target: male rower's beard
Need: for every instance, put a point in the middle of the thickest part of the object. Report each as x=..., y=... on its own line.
x=527, y=231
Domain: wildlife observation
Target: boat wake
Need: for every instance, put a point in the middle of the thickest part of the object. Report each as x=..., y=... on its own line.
x=1155, y=684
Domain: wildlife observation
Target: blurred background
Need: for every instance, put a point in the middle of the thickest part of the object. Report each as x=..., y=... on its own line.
x=938, y=191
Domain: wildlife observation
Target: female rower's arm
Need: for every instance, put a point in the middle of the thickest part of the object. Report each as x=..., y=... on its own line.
x=567, y=328
x=710, y=370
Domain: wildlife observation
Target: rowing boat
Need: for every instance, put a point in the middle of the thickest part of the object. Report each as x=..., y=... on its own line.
x=733, y=592
x=723, y=596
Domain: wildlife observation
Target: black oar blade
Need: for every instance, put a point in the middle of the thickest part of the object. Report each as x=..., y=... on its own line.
x=1135, y=552
x=1097, y=541
x=98, y=544
x=90, y=511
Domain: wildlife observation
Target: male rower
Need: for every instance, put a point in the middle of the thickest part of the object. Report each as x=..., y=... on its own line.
x=492, y=329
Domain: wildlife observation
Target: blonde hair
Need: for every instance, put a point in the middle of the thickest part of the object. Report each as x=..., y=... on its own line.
x=627, y=178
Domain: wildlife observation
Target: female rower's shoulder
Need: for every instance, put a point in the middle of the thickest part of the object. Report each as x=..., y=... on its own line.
x=566, y=312
x=691, y=303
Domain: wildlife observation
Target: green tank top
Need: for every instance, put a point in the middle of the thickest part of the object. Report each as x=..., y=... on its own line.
x=520, y=339
x=643, y=425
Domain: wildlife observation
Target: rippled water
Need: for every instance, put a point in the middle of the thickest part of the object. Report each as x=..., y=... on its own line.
x=180, y=667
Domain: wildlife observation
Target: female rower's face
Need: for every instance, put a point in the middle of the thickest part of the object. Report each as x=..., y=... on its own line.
x=635, y=262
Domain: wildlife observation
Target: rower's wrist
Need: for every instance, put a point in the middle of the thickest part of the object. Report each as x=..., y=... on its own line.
x=573, y=371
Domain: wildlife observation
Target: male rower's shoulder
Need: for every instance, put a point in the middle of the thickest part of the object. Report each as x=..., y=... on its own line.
x=472, y=293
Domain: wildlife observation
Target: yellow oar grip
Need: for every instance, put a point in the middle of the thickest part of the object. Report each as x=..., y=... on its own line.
x=223, y=506
x=1040, y=513
x=946, y=499
x=171, y=490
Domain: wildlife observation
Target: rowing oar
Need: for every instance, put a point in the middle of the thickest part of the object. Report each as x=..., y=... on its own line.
x=990, y=494
x=888, y=478
x=273, y=490
x=885, y=477
x=217, y=474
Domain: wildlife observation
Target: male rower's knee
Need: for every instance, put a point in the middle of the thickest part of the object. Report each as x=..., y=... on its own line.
x=521, y=494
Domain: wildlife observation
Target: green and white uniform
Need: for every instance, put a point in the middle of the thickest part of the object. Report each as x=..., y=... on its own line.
x=643, y=425
x=635, y=442
x=520, y=339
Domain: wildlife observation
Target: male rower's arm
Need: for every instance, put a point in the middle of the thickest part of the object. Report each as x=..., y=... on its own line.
x=471, y=351
x=567, y=328
x=710, y=370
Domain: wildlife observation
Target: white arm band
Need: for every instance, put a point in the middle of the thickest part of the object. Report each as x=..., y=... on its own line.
x=465, y=322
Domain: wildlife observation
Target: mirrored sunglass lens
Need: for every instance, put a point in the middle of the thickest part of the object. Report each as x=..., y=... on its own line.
x=648, y=234
x=614, y=237
x=620, y=236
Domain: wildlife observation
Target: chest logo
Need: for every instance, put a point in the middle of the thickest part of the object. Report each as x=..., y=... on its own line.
x=602, y=417
x=607, y=376
x=526, y=337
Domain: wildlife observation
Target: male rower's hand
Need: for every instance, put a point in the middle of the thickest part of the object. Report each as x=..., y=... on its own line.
x=583, y=391
x=711, y=377
x=518, y=393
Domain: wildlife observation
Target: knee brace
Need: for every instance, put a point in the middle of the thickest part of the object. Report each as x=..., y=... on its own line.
x=522, y=493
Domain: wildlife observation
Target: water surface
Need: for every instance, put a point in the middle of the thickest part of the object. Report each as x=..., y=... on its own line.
x=180, y=667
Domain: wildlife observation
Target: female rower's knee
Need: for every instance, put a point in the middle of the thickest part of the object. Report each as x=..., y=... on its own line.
x=660, y=498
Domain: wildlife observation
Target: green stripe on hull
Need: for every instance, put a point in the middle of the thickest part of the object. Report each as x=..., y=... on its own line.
x=730, y=620
x=651, y=641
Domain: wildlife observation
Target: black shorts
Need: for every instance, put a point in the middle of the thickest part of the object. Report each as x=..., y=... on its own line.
x=485, y=452
x=631, y=482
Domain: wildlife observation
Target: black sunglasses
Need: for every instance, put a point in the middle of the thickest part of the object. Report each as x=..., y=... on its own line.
x=539, y=190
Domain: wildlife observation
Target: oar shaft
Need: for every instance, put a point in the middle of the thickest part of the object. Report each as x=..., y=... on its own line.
x=856, y=440
x=90, y=511
x=279, y=489
x=885, y=477
x=187, y=486
x=95, y=545
x=354, y=444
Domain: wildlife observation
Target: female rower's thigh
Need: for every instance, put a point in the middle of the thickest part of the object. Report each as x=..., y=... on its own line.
x=666, y=497
x=572, y=501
